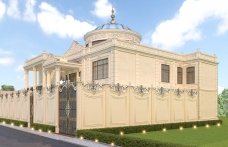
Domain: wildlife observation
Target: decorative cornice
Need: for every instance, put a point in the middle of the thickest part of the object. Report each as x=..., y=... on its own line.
x=131, y=36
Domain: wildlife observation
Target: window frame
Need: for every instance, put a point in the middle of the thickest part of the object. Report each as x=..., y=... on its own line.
x=165, y=71
x=179, y=75
x=100, y=69
x=190, y=75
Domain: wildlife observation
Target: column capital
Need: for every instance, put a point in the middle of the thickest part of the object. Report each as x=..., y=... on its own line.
x=57, y=68
x=57, y=75
x=34, y=77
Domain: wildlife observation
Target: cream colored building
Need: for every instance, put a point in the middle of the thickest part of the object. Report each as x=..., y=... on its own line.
x=121, y=82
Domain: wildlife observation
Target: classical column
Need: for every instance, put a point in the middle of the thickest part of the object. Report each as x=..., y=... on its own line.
x=26, y=79
x=57, y=80
x=48, y=78
x=44, y=78
x=78, y=77
x=34, y=78
x=57, y=75
x=40, y=77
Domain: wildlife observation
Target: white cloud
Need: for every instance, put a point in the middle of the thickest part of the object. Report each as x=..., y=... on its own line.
x=6, y=61
x=13, y=9
x=184, y=26
x=102, y=8
x=5, y=57
x=220, y=89
x=2, y=9
x=19, y=68
x=4, y=52
x=29, y=14
x=52, y=21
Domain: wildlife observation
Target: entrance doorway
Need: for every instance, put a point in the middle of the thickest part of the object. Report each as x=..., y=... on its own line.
x=67, y=108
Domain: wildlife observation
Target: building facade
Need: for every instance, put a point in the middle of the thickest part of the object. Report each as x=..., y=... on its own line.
x=116, y=81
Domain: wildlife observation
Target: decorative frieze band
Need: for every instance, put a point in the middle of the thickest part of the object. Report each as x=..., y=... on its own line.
x=141, y=90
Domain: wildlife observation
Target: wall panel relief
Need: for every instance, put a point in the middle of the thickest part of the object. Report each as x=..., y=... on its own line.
x=191, y=102
x=162, y=105
x=13, y=105
x=178, y=106
x=118, y=105
x=93, y=110
x=39, y=107
x=207, y=103
x=50, y=109
x=119, y=110
x=142, y=109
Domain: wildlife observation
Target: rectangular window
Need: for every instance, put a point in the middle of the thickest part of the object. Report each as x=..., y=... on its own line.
x=165, y=73
x=179, y=75
x=191, y=75
x=100, y=69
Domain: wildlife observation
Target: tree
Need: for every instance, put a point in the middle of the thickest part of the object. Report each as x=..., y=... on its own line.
x=223, y=103
x=7, y=88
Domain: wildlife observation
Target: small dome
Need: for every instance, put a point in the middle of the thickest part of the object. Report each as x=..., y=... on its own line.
x=113, y=26
x=111, y=30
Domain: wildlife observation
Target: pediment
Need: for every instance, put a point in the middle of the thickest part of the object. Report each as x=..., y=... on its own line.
x=74, y=49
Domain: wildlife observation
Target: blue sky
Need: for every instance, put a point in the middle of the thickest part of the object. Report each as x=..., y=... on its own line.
x=29, y=27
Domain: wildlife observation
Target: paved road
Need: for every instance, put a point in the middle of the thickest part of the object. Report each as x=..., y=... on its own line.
x=15, y=138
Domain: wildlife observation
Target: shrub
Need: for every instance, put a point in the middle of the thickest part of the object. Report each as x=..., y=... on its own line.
x=43, y=127
x=109, y=135
x=15, y=122
x=156, y=127
x=7, y=88
x=124, y=141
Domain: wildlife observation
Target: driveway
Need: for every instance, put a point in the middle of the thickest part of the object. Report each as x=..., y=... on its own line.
x=14, y=138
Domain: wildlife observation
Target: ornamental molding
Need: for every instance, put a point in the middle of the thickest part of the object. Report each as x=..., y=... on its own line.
x=67, y=109
x=39, y=90
x=118, y=88
x=25, y=92
x=6, y=95
x=40, y=58
x=18, y=93
x=192, y=92
x=93, y=87
x=51, y=89
x=178, y=92
x=162, y=91
x=113, y=34
x=141, y=90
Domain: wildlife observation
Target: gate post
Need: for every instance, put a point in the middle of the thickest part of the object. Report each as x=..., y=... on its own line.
x=29, y=111
x=57, y=109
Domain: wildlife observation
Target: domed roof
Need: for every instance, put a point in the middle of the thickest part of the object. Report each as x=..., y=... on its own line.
x=113, y=24
x=111, y=30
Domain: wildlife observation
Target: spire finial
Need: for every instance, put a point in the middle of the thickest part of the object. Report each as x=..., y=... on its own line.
x=113, y=16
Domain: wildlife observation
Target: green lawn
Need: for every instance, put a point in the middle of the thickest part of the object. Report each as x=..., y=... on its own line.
x=204, y=137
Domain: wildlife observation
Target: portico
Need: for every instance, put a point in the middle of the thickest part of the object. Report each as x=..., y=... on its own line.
x=50, y=70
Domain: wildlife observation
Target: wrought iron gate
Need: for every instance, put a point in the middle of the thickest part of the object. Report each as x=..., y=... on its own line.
x=31, y=107
x=67, y=108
